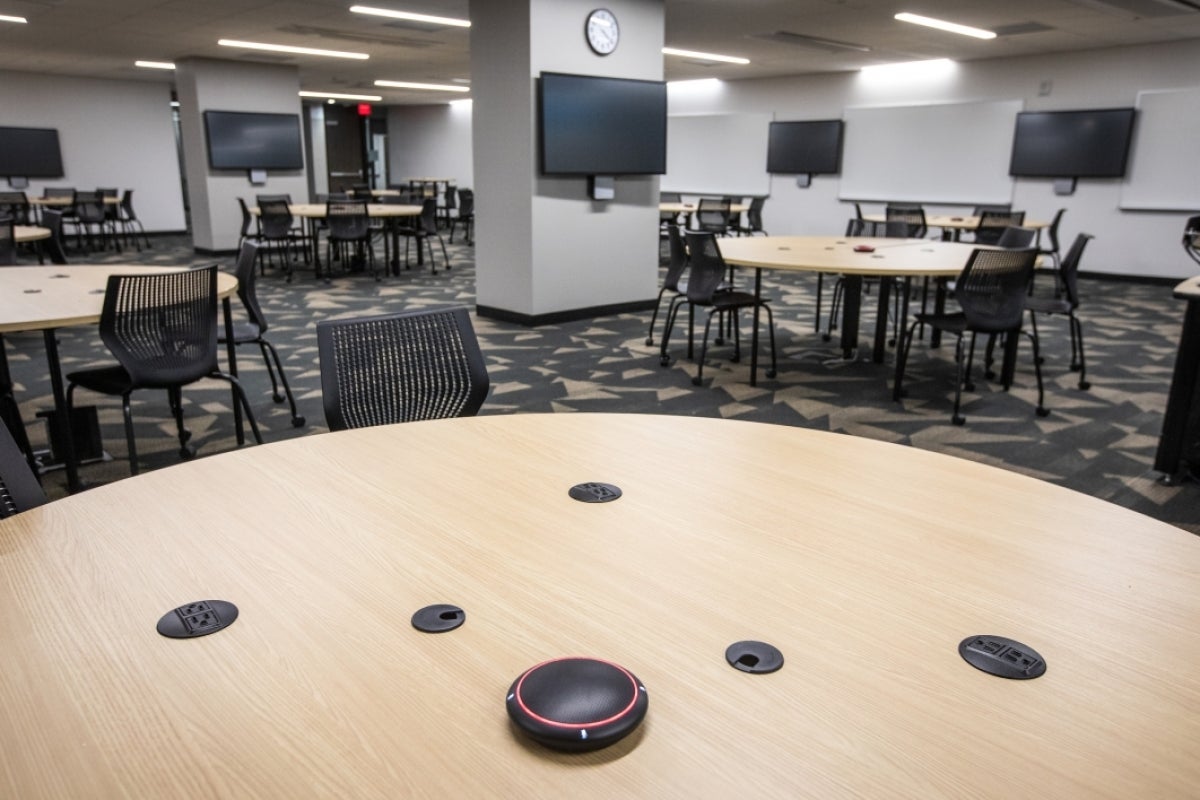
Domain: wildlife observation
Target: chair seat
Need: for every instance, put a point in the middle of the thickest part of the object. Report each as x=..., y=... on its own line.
x=243, y=332
x=1048, y=305
x=955, y=323
x=731, y=299
x=112, y=379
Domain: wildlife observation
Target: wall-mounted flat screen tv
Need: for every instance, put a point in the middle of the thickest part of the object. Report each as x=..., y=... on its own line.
x=1072, y=144
x=601, y=126
x=30, y=153
x=812, y=147
x=242, y=140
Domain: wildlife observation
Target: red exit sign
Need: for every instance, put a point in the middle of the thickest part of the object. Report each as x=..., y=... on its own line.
x=364, y=109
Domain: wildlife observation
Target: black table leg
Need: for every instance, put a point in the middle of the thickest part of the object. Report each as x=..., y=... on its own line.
x=851, y=312
x=1185, y=391
x=61, y=419
x=881, y=320
x=231, y=353
x=754, y=333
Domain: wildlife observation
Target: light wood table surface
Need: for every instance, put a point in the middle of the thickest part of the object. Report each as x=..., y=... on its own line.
x=899, y=259
x=865, y=563
x=691, y=208
x=30, y=233
x=956, y=222
x=46, y=298
x=52, y=202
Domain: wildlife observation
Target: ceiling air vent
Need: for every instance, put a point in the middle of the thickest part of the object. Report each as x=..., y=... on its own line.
x=813, y=42
x=1143, y=8
x=1018, y=28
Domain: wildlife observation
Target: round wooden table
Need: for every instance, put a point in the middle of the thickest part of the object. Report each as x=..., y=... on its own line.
x=30, y=233
x=865, y=563
x=311, y=212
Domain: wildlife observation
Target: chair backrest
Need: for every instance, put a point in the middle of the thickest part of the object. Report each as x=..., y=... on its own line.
x=678, y=262
x=993, y=223
x=15, y=205
x=400, y=367
x=1191, y=238
x=348, y=219
x=428, y=218
x=712, y=215
x=1068, y=271
x=127, y=205
x=1016, y=237
x=58, y=191
x=992, y=288
x=856, y=226
x=275, y=218
x=52, y=221
x=893, y=229
x=754, y=213
x=19, y=487
x=911, y=215
x=247, y=218
x=466, y=203
x=8, y=244
x=162, y=327
x=90, y=207
x=247, y=278
x=708, y=267
x=1052, y=231
x=259, y=199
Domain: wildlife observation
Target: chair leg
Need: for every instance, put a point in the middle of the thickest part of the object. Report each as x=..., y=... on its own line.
x=773, y=371
x=297, y=420
x=654, y=318
x=262, y=347
x=1042, y=411
x=445, y=256
x=129, y=443
x=1077, y=336
x=901, y=361
x=699, y=379
x=175, y=399
x=955, y=417
x=241, y=393
x=817, y=314
x=664, y=357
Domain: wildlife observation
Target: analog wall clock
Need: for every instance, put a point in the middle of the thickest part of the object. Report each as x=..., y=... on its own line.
x=602, y=31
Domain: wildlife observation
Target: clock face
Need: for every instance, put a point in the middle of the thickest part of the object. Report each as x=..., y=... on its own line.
x=602, y=31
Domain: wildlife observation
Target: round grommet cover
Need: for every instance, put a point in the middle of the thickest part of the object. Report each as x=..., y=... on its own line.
x=594, y=492
x=199, y=618
x=757, y=658
x=577, y=704
x=438, y=618
x=1005, y=658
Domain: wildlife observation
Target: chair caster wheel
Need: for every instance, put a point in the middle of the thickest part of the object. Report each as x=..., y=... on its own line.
x=184, y=436
x=649, y=341
x=825, y=337
x=187, y=453
x=770, y=373
x=968, y=387
x=1043, y=412
x=298, y=422
x=278, y=398
x=697, y=382
x=957, y=420
x=665, y=361
x=1085, y=385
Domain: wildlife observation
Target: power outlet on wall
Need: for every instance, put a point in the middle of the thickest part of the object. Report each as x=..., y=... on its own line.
x=1045, y=87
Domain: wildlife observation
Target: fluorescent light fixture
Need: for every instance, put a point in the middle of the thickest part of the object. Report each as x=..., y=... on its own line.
x=387, y=12
x=942, y=25
x=370, y=98
x=7, y=18
x=671, y=51
x=909, y=69
x=154, y=64
x=433, y=87
x=462, y=102
x=284, y=48
x=698, y=83
x=174, y=104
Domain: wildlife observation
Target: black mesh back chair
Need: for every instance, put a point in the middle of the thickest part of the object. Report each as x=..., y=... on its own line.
x=449, y=203
x=704, y=290
x=127, y=218
x=277, y=231
x=89, y=215
x=53, y=247
x=8, y=242
x=911, y=216
x=465, y=215
x=162, y=329
x=673, y=281
x=754, y=223
x=1015, y=237
x=402, y=367
x=991, y=291
x=251, y=331
x=992, y=223
x=19, y=487
x=666, y=218
x=349, y=224
x=15, y=205
x=423, y=232
x=1191, y=238
x=712, y=215
x=1066, y=302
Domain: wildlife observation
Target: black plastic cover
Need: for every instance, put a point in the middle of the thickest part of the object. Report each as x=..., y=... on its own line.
x=1006, y=658
x=197, y=619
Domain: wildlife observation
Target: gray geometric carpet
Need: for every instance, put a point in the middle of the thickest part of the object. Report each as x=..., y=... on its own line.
x=1100, y=442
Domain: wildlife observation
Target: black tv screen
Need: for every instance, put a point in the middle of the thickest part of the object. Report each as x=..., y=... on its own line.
x=811, y=147
x=242, y=140
x=1072, y=144
x=30, y=153
x=601, y=126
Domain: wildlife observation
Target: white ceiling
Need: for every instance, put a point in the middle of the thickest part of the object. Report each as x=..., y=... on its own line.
x=101, y=38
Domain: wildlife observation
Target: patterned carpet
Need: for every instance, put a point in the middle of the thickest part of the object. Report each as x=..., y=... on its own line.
x=1100, y=442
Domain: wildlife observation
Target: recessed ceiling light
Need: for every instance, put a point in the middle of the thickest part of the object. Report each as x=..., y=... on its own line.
x=433, y=87
x=284, y=48
x=942, y=25
x=374, y=98
x=7, y=18
x=671, y=51
x=387, y=12
x=154, y=64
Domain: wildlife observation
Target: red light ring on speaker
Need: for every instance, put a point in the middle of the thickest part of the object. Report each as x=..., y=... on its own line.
x=577, y=725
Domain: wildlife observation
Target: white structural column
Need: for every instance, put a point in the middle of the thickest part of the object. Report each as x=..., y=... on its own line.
x=216, y=85
x=545, y=251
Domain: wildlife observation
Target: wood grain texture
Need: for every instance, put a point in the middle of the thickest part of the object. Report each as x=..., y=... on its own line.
x=865, y=563
x=30, y=233
x=954, y=221
x=892, y=257
x=57, y=296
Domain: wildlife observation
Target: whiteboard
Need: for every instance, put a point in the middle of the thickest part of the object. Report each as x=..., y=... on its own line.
x=1164, y=165
x=717, y=154
x=937, y=153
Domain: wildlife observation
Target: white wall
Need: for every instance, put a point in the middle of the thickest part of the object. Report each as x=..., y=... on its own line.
x=430, y=140
x=210, y=84
x=112, y=134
